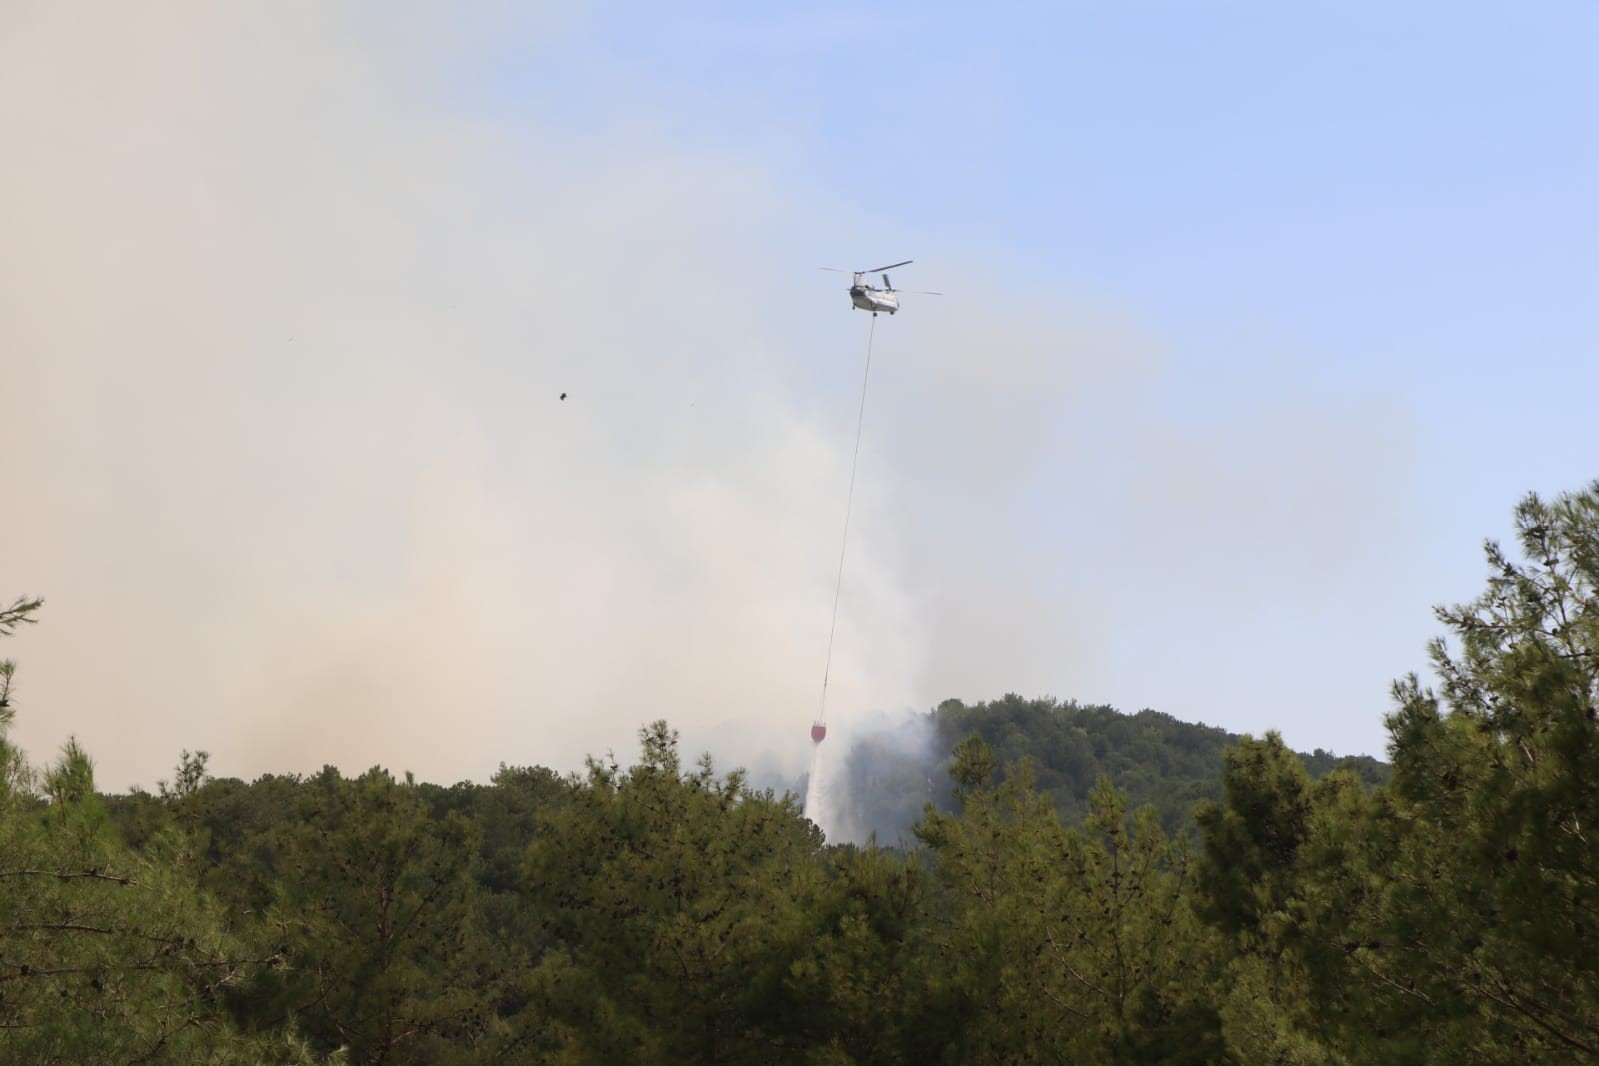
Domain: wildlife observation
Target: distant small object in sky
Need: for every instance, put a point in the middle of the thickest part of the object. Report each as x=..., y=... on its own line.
x=865, y=297
x=563, y=395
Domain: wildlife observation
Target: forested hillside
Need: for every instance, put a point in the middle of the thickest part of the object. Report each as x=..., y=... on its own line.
x=668, y=912
x=894, y=770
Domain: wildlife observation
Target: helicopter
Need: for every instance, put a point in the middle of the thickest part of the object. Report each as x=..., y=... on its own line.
x=866, y=297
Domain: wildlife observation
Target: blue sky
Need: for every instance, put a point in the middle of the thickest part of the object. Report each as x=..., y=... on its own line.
x=1325, y=201
x=1394, y=197
x=1258, y=319
x=1408, y=185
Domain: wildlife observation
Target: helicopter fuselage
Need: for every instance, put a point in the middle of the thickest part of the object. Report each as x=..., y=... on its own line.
x=866, y=298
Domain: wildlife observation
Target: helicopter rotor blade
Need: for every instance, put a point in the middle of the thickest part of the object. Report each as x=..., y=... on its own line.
x=918, y=292
x=891, y=266
x=836, y=270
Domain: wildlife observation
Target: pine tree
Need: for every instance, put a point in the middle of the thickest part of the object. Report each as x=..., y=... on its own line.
x=1067, y=945
x=1449, y=916
x=669, y=897
x=106, y=955
x=1496, y=902
x=375, y=915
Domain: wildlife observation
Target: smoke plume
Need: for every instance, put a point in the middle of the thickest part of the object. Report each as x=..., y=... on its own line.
x=286, y=313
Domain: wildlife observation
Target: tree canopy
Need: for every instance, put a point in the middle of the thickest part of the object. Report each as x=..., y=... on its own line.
x=1308, y=910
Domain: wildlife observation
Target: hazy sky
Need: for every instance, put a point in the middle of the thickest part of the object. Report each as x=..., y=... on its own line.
x=1259, y=318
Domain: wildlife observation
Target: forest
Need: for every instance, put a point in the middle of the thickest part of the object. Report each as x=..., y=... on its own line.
x=895, y=769
x=1079, y=886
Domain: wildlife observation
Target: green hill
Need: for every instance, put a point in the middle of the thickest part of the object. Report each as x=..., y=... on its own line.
x=893, y=769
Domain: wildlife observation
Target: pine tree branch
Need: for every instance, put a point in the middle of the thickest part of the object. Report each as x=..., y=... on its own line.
x=19, y=613
x=1512, y=1001
x=1357, y=956
x=71, y=927
x=64, y=875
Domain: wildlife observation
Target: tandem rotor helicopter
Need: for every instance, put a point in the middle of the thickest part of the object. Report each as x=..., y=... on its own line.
x=866, y=297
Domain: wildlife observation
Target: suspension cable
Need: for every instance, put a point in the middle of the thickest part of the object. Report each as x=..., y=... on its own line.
x=849, y=504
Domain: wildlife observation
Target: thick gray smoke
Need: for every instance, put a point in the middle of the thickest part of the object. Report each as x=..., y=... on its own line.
x=282, y=439
x=284, y=324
